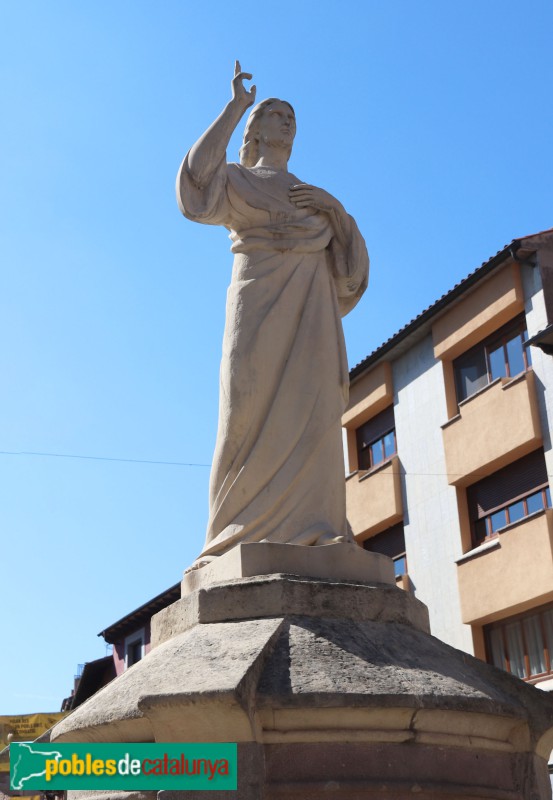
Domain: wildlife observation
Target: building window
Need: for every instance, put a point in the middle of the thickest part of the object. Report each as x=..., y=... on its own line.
x=522, y=645
x=134, y=648
x=376, y=440
x=507, y=496
x=390, y=543
x=502, y=355
x=492, y=523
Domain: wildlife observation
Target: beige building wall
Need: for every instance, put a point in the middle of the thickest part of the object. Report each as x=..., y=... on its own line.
x=514, y=573
x=492, y=428
x=443, y=447
x=374, y=499
x=490, y=305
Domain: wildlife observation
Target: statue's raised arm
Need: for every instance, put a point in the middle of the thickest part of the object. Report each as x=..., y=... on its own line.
x=299, y=264
x=205, y=156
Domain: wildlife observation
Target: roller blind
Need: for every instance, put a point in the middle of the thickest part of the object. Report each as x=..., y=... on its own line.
x=518, y=478
x=389, y=543
x=375, y=427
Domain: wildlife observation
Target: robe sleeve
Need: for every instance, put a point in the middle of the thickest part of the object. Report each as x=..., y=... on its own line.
x=208, y=204
x=349, y=266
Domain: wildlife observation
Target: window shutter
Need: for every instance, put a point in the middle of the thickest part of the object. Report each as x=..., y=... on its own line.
x=518, y=478
x=375, y=427
x=389, y=543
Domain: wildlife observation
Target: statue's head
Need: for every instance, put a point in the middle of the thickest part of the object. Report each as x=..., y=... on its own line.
x=272, y=122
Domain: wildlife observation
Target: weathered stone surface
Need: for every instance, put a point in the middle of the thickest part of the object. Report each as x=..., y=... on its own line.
x=305, y=662
x=317, y=661
x=342, y=561
x=209, y=661
x=330, y=703
x=281, y=595
x=351, y=770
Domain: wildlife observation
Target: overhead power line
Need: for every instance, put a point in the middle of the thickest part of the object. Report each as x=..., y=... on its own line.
x=387, y=474
x=101, y=458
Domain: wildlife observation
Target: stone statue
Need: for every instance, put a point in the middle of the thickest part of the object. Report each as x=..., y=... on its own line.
x=299, y=264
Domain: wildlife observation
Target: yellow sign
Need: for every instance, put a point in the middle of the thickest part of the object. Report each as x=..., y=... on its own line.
x=25, y=728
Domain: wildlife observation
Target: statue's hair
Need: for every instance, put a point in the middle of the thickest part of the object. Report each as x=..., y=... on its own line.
x=249, y=152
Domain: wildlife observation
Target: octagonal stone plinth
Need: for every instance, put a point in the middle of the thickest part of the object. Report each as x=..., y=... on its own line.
x=332, y=689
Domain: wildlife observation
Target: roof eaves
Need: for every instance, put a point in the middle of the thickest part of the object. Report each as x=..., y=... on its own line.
x=542, y=339
x=473, y=277
x=142, y=612
x=93, y=670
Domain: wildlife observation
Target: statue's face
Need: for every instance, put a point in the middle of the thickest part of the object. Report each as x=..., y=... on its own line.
x=277, y=126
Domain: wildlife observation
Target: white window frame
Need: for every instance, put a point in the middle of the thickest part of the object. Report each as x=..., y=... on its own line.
x=131, y=639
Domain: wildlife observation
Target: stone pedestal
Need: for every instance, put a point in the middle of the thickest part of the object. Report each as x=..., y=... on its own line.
x=342, y=562
x=332, y=689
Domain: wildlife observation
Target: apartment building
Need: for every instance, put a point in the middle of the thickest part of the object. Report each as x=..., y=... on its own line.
x=130, y=635
x=448, y=435
x=130, y=640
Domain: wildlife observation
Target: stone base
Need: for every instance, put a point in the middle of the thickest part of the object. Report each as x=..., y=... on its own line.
x=345, y=562
x=332, y=690
x=271, y=596
x=354, y=771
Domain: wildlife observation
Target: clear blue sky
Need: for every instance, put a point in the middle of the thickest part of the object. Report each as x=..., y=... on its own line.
x=431, y=121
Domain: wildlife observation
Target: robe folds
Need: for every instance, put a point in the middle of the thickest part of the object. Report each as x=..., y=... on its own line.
x=278, y=468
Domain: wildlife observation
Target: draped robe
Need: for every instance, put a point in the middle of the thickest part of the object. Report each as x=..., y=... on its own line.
x=278, y=470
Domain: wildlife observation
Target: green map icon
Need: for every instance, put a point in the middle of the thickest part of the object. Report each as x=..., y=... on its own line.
x=28, y=763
